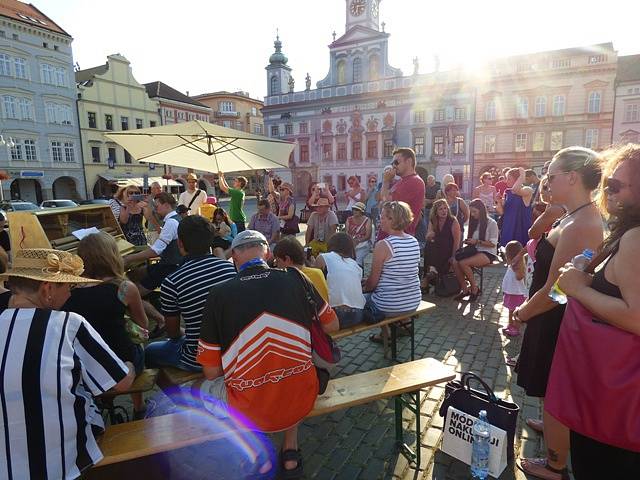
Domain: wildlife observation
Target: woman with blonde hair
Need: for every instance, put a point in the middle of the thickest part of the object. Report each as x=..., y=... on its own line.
x=129, y=210
x=53, y=364
x=355, y=193
x=104, y=304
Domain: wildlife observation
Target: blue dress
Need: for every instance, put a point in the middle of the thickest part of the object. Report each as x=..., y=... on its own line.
x=516, y=219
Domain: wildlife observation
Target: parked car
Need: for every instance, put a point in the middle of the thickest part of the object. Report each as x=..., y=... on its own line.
x=59, y=203
x=95, y=201
x=17, y=205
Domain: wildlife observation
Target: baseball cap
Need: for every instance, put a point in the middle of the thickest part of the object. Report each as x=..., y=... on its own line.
x=248, y=236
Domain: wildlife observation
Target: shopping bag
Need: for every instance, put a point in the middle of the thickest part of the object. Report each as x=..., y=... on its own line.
x=502, y=414
x=458, y=440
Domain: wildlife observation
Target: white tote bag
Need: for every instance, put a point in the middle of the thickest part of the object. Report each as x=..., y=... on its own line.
x=458, y=440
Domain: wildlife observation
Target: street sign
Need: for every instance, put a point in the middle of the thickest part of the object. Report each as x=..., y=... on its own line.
x=31, y=173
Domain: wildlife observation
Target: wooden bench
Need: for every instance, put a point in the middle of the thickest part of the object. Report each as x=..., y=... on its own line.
x=138, y=439
x=143, y=382
x=392, y=322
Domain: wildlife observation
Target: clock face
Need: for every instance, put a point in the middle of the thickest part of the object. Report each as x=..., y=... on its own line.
x=357, y=7
x=375, y=8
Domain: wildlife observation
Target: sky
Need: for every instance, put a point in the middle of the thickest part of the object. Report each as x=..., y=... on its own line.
x=204, y=46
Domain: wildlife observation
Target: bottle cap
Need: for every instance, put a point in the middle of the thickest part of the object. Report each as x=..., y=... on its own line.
x=587, y=252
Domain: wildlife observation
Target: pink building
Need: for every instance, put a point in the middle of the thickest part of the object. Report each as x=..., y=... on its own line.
x=626, y=120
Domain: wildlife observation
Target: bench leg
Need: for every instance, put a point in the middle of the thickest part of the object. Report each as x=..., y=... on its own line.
x=394, y=342
x=413, y=404
x=413, y=338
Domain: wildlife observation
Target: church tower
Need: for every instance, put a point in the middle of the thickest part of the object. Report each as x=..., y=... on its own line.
x=278, y=72
x=365, y=13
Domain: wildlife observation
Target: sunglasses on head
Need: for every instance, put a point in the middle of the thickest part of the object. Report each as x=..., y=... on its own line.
x=613, y=185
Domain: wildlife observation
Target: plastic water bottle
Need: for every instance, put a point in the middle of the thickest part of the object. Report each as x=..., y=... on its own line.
x=581, y=262
x=480, y=447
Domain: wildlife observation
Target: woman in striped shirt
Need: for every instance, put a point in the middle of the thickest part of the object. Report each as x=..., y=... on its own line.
x=52, y=364
x=394, y=281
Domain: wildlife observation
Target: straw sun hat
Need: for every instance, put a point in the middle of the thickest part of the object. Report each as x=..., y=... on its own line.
x=47, y=265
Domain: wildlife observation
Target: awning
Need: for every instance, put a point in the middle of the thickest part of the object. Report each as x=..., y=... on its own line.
x=138, y=181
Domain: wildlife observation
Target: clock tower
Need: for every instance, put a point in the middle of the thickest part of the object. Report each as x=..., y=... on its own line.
x=365, y=13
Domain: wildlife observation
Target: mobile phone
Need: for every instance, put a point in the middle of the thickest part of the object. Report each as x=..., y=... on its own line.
x=138, y=197
x=307, y=253
x=322, y=185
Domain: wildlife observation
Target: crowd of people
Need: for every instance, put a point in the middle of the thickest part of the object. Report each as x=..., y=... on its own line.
x=246, y=306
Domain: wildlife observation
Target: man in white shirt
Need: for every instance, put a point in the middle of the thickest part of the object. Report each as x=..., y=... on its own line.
x=150, y=277
x=192, y=197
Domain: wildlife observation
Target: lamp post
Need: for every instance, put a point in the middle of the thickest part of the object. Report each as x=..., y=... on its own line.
x=3, y=175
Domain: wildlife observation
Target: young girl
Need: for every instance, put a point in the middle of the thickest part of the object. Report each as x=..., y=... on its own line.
x=513, y=285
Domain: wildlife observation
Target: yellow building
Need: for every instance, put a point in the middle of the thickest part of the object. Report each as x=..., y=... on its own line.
x=110, y=99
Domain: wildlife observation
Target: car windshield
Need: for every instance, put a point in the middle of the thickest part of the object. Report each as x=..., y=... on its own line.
x=63, y=203
x=24, y=206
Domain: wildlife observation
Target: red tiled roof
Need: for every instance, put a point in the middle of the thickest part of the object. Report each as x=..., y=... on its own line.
x=28, y=14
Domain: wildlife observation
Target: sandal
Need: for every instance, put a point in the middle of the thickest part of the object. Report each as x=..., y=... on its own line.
x=511, y=361
x=536, y=425
x=539, y=468
x=474, y=296
x=291, y=456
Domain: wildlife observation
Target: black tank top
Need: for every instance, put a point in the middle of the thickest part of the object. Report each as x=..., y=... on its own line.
x=601, y=284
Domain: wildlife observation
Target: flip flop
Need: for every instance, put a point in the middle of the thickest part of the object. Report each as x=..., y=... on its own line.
x=288, y=456
x=536, y=425
x=539, y=468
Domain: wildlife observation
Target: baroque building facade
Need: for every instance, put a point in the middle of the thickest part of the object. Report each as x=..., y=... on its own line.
x=350, y=123
x=39, y=139
x=626, y=121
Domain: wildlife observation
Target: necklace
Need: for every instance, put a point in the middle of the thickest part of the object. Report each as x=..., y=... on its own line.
x=567, y=215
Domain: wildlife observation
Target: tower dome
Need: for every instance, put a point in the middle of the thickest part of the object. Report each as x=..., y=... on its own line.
x=277, y=57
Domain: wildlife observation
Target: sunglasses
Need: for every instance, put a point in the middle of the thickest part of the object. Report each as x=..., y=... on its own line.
x=613, y=185
x=550, y=176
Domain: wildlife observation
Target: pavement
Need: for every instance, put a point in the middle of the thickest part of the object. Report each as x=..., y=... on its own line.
x=358, y=443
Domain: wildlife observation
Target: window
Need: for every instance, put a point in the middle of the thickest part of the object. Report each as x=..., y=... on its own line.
x=341, y=72
x=16, y=150
x=458, y=145
x=418, y=145
x=257, y=129
x=112, y=156
x=61, y=77
x=127, y=157
x=561, y=63
x=288, y=129
x=66, y=116
x=92, y=120
x=26, y=109
x=327, y=151
x=342, y=151
x=304, y=153
x=591, y=138
x=51, y=112
x=254, y=112
x=356, y=151
x=632, y=112
x=69, y=152
x=597, y=59
x=461, y=114
x=5, y=65
x=522, y=107
x=541, y=106
x=438, y=145
x=418, y=116
x=239, y=126
x=124, y=123
x=372, y=149
x=374, y=67
x=275, y=131
x=558, y=105
x=357, y=70
x=30, y=150
x=438, y=115
x=304, y=127
x=57, y=113
x=108, y=122
x=226, y=107
x=10, y=105
x=388, y=148
x=556, y=141
x=95, y=154
x=489, y=144
x=521, y=142
x=490, y=111
x=53, y=75
x=594, y=102
x=538, y=141
x=152, y=123
x=56, y=151
x=139, y=123
x=20, y=65
x=275, y=85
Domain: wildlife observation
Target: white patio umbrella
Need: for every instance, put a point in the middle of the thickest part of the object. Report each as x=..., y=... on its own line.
x=203, y=146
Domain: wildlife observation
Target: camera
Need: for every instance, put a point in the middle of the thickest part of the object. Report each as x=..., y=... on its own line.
x=307, y=253
x=138, y=197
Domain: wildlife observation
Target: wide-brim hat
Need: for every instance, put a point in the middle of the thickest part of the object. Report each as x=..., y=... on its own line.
x=191, y=176
x=359, y=206
x=321, y=202
x=48, y=265
x=287, y=186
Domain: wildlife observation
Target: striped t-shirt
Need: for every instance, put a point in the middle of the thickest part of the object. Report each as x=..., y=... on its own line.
x=51, y=366
x=185, y=292
x=398, y=289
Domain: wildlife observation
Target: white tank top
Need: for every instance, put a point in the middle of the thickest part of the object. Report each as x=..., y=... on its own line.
x=344, y=278
x=513, y=286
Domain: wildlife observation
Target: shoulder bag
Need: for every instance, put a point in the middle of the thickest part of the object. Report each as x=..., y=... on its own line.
x=193, y=199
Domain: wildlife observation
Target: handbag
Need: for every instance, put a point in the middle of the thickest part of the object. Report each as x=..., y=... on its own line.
x=467, y=251
x=291, y=226
x=500, y=413
x=447, y=285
